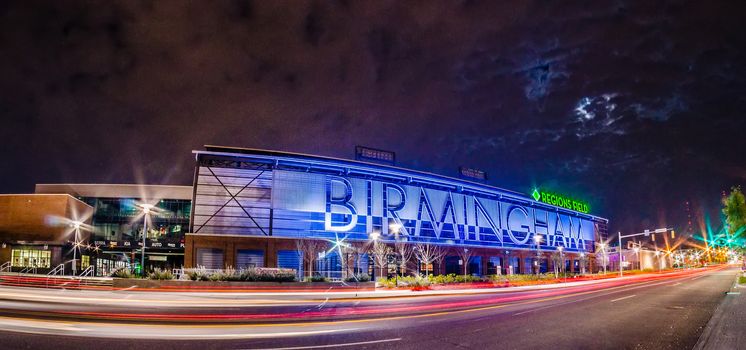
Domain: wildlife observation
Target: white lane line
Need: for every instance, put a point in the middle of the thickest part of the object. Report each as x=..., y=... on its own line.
x=622, y=298
x=676, y=284
x=624, y=289
x=336, y=345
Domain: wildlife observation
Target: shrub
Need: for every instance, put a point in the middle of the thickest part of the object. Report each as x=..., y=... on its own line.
x=443, y=279
x=467, y=279
x=123, y=273
x=419, y=283
x=361, y=277
x=316, y=278
x=387, y=283
x=276, y=275
x=198, y=274
x=159, y=274
x=230, y=274
x=742, y=280
x=248, y=275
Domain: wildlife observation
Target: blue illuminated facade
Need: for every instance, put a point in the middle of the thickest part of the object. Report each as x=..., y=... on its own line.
x=277, y=195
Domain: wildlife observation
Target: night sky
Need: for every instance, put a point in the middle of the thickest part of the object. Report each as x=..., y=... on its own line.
x=634, y=106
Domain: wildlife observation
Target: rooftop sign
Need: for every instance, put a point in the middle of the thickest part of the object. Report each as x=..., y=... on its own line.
x=473, y=174
x=560, y=201
x=375, y=155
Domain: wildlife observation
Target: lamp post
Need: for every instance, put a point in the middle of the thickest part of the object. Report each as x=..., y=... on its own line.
x=637, y=256
x=146, y=208
x=396, y=228
x=466, y=263
x=562, y=260
x=658, y=255
x=76, y=226
x=537, y=240
x=603, y=254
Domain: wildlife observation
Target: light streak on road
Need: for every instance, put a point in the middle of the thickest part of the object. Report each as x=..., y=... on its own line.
x=46, y=313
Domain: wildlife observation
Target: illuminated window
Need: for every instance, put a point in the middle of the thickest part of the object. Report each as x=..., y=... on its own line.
x=30, y=258
x=85, y=261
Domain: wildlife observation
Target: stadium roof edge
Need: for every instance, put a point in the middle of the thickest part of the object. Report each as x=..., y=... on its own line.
x=233, y=151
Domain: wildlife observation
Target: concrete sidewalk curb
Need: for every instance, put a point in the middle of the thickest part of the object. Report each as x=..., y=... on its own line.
x=725, y=328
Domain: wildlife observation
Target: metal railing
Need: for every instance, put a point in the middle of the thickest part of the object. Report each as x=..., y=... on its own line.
x=59, y=270
x=5, y=267
x=88, y=272
x=330, y=275
x=29, y=269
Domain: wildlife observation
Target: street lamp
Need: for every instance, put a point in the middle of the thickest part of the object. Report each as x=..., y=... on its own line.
x=603, y=253
x=146, y=208
x=658, y=255
x=395, y=228
x=76, y=225
x=466, y=263
x=537, y=240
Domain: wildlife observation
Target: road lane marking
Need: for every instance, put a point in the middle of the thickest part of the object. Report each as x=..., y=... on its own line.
x=622, y=298
x=613, y=291
x=676, y=284
x=335, y=345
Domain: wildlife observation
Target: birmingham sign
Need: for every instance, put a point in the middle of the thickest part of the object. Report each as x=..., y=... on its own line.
x=328, y=205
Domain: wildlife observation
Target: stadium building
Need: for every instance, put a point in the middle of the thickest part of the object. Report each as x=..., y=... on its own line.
x=261, y=208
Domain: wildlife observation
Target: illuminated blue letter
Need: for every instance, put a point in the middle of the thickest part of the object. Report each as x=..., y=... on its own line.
x=343, y=201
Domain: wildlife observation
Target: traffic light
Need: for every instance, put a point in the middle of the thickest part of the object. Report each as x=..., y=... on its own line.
x=673, y=234
x=652, y=237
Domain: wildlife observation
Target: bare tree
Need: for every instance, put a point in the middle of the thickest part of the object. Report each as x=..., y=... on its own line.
x=310, y=249
x=557, y=260
x=380, y=252
x=405, y=251
x=582, y=262
x=428, y=254
x=465, y=254
x=346, y=253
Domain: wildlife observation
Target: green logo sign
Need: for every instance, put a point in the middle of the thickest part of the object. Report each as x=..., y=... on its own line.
x=560, y=201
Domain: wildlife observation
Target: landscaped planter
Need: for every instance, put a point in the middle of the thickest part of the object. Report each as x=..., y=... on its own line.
x=125, y=283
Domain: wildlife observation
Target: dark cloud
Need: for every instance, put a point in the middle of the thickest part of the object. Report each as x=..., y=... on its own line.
x=636, y=106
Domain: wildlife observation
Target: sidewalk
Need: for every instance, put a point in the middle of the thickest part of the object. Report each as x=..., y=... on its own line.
x=726, y=327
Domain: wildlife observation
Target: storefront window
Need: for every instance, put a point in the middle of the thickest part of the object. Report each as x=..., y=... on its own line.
x=31, y=258
x=85, y=261
x=119, y=219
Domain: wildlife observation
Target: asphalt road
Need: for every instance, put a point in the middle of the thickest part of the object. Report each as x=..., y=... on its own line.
x=650, y=314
